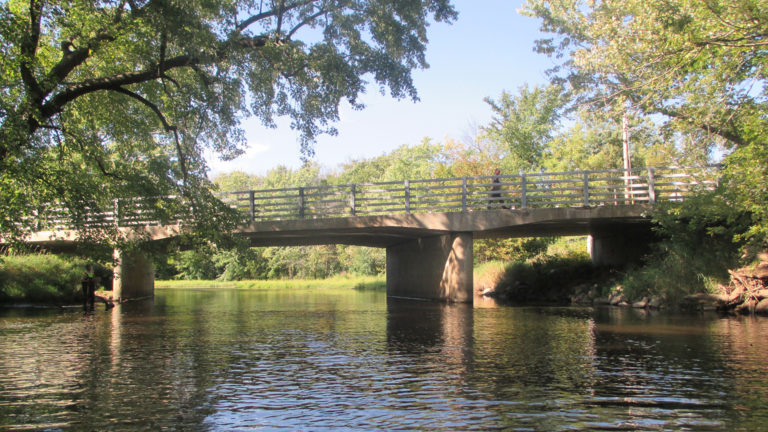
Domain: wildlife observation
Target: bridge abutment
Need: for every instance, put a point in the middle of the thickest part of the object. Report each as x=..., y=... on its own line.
x=619, y=246
x=133, y=275
x=432, y=268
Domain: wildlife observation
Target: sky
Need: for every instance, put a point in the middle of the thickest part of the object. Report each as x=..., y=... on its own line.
x=487, y=50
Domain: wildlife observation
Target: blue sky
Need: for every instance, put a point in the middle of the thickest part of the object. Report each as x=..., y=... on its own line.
x=487, y=50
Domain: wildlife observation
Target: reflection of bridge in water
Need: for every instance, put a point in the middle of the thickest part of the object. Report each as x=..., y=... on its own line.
x=427, y=226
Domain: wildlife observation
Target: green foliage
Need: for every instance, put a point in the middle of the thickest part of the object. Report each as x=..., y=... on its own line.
x=569, y=247
x=345, y=282
x=744, y=180
x=693, y=62
x=240, y=262
x=109, y=99
x=419, y=161
x=363, y=261
x=42, y=279
x=546, y=280
x=698, y=70
x=194, y=265
x=510, y=249
x=525, y=123
x=696, y=249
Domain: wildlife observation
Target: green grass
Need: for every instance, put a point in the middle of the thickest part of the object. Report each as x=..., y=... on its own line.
x=361, y=282
x=46, y=279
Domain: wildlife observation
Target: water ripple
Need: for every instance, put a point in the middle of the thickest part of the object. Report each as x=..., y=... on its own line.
x=224, y=361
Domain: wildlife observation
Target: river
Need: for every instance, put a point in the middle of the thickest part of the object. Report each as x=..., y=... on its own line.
x=315, y=360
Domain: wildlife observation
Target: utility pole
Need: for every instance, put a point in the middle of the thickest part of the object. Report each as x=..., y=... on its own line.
x=627, y=161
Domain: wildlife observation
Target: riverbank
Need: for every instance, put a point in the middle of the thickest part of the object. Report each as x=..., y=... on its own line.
x=357, y=282
x=576, y=282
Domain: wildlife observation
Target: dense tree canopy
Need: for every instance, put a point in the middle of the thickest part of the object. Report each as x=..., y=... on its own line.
x=701, y=63
x=526, y=123
x=120, y=97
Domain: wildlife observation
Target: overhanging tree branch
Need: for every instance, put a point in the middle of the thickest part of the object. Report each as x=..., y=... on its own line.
x=28, y=50
x=167, y=126
x=57, y=102
x=271, y=13
x=306, y=21
x=731, y=136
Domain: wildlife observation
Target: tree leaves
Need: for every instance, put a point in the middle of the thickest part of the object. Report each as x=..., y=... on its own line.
x=121, y=99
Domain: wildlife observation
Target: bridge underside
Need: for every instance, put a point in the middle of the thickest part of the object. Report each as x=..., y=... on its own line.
x=386, y=231
x=429, y=255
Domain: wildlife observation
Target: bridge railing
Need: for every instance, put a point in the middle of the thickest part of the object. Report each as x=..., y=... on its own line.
x=517, y=191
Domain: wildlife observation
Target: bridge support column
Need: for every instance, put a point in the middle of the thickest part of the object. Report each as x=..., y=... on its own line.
x=133, y=275
x=619, y=246
x=433, y=268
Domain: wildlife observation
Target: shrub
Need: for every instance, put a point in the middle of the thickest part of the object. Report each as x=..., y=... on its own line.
x=40, y=279
x=548, y=279
x=697, y=248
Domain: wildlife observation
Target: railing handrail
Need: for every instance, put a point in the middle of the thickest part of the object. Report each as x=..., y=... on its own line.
x=451, y=194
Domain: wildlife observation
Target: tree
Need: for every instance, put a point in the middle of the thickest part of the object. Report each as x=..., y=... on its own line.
x=526, y=123
x=595, y=141
x=237, y=181
x=404, y=163
x=119, y=98
x=699, y=65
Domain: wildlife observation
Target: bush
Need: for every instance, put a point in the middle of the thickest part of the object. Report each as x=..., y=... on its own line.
x=549, y=279
x=697, y=248
x=41, y=279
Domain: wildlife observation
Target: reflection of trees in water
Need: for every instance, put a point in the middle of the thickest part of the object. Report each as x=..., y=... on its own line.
x=45, y=361
x=435, y=334
x=521, y=349
x=537, y=362
x=688, y=367
x=744, y=345
x=190, y=357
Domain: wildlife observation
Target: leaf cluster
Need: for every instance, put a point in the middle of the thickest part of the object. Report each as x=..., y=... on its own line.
x=121, y=99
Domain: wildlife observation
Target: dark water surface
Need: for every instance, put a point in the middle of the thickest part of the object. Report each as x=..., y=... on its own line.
x=350, y=360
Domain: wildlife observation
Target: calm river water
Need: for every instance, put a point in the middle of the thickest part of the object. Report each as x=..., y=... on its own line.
x=225, y=360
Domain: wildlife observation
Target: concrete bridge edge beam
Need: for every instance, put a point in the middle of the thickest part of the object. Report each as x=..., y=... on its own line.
x=133, y=275
x=432, y=268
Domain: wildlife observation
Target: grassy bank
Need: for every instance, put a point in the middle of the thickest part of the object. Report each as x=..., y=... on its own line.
x=549, y=277
x=44, y=279
x=546, y=280
x=361, y=282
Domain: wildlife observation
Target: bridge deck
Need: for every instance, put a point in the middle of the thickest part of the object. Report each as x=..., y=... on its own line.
x=383, y=214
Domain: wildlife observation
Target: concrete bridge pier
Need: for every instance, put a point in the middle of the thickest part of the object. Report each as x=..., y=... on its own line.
x=432, y=268
x=133, y=275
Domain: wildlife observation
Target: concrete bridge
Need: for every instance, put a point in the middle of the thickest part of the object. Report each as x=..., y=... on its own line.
x=427, y=226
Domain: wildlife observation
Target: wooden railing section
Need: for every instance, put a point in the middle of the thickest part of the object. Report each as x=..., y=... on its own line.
x=459, y=194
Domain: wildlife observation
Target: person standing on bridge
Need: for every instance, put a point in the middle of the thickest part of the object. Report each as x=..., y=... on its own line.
x=495, y=190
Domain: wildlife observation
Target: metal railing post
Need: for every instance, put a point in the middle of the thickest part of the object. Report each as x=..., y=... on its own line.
x=407, y=185
x=301, y=203
x=586, y=188
x=523, y=191
x=252, y=205
x=464, y=194
x=352, y=201
x=651, y=186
